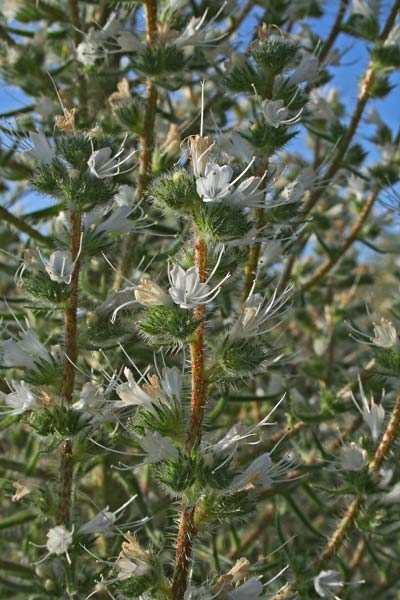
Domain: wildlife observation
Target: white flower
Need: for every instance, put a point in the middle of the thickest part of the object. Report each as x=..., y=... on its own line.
x=250, y=193
x=327, y=583
x=128, y=567
x=126, y=195
x=21, y=399
x=240, y=434
x=88, y=51
x=90, y=397
x=171, y=382
x=149, y=293
x=129, y=42
x=60, y=266
x=356, y=186
x=42, y=152
x=261, y=472
x=194, y=593
x=373, y=414
x=352, y=457
x=132, y=561
x=92, y=47
x=59, y=540
x=214, y=186
x=118, y=222
x=319, y=106
x=104, y=521
x=23, y=488
x=253, y=588
x=186, y=289
x=292, y=192
x=198, y=33
x=306, y=71
x=24, y=352
x=45, y=107
x=236, y=435
x=236, y=146
x=362, y=7
x=256, y=312
x=102, y=163
x=131, y=393
x=393, y=39
x=93, y=403
x=157, y=447
x=374, y=118
x=385, y=334
x=392, y=497
x=277, y=114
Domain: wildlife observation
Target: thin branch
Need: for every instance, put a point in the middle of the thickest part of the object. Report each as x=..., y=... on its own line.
x=71, y=351
x=187, y=526
x=8, y=217
x=335, y=31
x=349, y=241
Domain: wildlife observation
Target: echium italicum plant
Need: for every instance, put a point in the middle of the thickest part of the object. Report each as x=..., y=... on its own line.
x=199, y=282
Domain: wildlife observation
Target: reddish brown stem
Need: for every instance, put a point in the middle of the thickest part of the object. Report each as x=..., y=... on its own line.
x=336, y=28
x=187, y=527
x=71, y=352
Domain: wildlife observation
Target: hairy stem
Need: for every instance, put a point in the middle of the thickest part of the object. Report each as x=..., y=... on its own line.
x=71, y=355
x=187, y=527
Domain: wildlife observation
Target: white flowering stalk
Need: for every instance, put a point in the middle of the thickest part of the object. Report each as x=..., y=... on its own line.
x=103, y=163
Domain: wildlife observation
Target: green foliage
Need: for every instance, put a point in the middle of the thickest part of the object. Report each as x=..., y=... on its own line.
x=389, y=358
x=268, y=139
x=159, y=62
x=242, y=77
x=239, y=358
x=135, y=586
x=131, y=116
x=166, y=419
x=386, y=56
x=274, y=54
x=193, y=474
x=57, y=420
x=175, y=192
x=363, y=27
x=165, y=325
x=42, y=287
x=220, y=223
x=76, y=149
